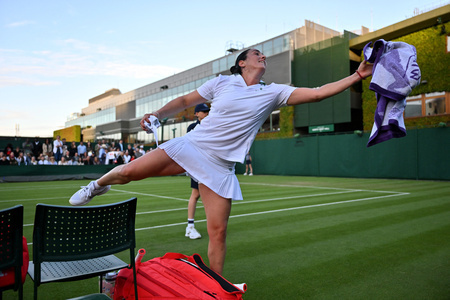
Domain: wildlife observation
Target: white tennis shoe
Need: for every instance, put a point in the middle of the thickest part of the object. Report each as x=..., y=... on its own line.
x=86, y=193
x=192, y=233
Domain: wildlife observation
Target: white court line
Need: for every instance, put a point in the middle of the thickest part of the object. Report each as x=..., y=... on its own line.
x=151, y=195
x=281, y=210
x=266, y=212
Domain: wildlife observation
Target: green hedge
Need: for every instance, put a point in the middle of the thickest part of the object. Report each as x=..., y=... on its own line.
x=434, y=62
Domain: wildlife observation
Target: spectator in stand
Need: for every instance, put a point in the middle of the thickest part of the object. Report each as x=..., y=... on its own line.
x=62, y=162
x=85, y=158
x=8, y=149
x=65, y=148
x=126, y=157
x=113, y=146
x=21, y=161
x=141, y=150
x=28, y=159
x=97, y=148
x=81, y=149
x=12, y=159
x=91, y=158
x=27, y=147
x=130, y=150
x=72, y=150
x=43, y=160
x=4, y=161
x=47, y=148
x=119, y=158
x=110, y=157
x=96, y=161
x=52, y=161
x=120, y=146
x=89, y=147
x=16, y=152
x=33, y=162
x=58, y=148
x=102, y=154
x=75, y=157
x=37, y=147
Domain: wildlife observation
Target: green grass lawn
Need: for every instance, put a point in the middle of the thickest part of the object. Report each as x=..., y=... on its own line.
x=291, y=238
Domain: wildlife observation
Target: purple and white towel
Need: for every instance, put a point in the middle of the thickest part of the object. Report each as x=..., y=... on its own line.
x=395, y=74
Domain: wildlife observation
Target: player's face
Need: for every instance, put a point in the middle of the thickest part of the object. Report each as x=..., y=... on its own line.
x=255, y=59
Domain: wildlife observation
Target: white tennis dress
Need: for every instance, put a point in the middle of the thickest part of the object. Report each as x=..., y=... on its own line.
x=210, y=151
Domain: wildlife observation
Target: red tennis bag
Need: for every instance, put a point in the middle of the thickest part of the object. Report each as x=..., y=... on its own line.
x=7, y=276
x=175, y=276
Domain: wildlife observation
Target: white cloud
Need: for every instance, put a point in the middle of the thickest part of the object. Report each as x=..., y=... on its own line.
x=16, y=81
x=20, y=24
x=74, y=58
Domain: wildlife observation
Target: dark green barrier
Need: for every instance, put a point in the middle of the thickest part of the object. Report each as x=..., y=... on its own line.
x=422, y=154
x=42, y=173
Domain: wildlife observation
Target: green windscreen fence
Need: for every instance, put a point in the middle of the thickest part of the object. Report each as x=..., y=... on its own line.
x=422, y=154
x=314, y=66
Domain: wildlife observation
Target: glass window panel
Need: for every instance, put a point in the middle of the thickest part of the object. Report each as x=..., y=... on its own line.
x=268, y=48
x=230, y=61
x=435, y=106
x=277, y=45
x=222, y=64
x=215, y=66
x=413, y=108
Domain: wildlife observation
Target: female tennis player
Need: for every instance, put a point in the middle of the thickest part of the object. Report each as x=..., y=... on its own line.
x=240, y=103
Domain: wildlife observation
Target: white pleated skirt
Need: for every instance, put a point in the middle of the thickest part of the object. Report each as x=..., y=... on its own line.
x=217, y=174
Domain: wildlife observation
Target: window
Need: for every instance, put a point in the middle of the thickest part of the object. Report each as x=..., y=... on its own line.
x=428, y=105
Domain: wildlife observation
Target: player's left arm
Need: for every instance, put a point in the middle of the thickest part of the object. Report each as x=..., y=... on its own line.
x=308, y=95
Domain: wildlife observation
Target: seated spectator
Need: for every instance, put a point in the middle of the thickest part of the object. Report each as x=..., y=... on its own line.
x=52, y=161
x=119, y=158
x=80, y=161
x=4, y=161
x=41, y=159
x=85, y=158
x=96, y=161
x=12, y=159
x=75, y=157
x=21, y=161
x=63, y=162
x=33, y=162
x=126, y=157
x=91, y=158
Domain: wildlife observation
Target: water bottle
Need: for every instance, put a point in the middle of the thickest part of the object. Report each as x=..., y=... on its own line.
x=109, y=281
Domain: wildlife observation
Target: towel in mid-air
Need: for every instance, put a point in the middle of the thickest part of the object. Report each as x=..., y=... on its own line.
x=395, y=74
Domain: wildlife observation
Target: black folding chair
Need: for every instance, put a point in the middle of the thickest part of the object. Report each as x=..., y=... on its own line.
x=74, y=243
x=11, y=249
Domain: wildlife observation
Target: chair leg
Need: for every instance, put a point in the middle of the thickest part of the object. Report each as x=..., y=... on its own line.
x=101, y=283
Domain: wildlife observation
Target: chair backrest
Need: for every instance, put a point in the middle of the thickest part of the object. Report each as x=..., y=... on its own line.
x=72, y=232
x=11, y=249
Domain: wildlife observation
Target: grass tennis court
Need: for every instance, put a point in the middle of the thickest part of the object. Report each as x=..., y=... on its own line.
x=291, y=238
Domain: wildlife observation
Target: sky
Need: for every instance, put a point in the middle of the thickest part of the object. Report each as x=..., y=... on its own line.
x=57, y=54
